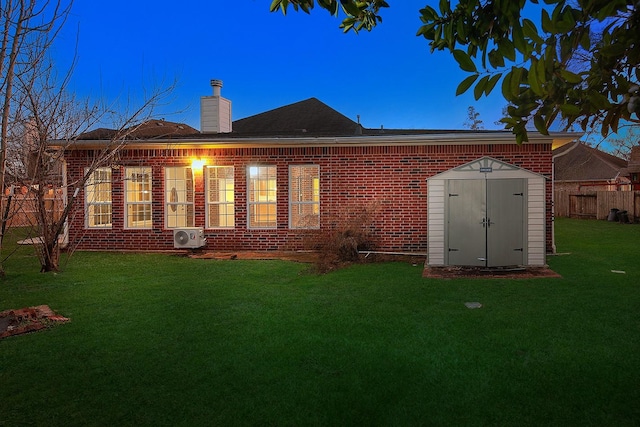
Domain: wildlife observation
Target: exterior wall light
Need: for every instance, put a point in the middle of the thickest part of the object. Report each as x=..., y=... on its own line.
x=197, y=164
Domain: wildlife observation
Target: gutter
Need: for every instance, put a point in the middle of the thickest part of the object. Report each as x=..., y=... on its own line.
x=553, y=188
x=453, y=138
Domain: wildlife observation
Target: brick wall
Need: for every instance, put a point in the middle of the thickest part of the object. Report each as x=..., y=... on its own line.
x=391, y=177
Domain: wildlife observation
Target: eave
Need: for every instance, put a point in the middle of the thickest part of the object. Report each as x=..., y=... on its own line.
x=453, y=138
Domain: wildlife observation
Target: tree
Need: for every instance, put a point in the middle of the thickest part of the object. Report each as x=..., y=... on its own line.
x=579, y=64
x=473, y=122
x=38, y=109
x=22, y=23
x=619, y=145
x=359, y=14
x=52, y=120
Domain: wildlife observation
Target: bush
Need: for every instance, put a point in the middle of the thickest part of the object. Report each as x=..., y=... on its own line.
x=349, y=232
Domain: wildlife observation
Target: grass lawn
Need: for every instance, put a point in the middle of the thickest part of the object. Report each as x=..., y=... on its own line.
x=164, y=340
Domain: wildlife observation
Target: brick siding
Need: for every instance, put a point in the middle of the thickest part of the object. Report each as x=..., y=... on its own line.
x=392, y=176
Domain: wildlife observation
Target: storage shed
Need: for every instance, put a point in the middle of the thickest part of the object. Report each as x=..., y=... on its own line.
x=486, y=213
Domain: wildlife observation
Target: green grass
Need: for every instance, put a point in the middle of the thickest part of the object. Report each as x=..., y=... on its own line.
x=165, y=340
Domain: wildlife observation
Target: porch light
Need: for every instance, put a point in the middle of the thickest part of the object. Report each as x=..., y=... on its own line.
x=197, y=164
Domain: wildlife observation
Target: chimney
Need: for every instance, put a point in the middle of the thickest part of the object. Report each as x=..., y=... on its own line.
x=215, y=111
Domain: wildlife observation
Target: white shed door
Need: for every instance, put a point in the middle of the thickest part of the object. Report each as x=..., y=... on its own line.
x=485, y=222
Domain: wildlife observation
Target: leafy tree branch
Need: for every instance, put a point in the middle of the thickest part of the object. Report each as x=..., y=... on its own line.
x=575, y=62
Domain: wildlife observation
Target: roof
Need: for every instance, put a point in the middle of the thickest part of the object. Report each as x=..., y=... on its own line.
x=304, y=123
x=148, y=130
x=313, y=117
x=579, y=162
x=309, y=116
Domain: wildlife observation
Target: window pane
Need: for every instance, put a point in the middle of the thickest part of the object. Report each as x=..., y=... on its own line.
x=98, y=198
x=138, y=197
x=179, y=197
x=262, y=196
x=220, y=196
x=304, y=196
x=262, y=215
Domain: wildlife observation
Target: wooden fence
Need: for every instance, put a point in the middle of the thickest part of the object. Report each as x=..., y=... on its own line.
x=23, y=209
x=597, y=204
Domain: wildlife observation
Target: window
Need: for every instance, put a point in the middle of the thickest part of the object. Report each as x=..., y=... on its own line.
x=98, y=199
x=138, y=197
x=261, y=189
x=220, y=206
x=304, y=196
x=178, y=197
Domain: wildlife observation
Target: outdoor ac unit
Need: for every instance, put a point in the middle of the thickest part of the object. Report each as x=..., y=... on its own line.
x=188, y=238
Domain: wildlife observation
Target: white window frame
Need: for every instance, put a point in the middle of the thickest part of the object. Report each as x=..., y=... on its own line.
x=263, y=198
x=98, y=193
x=299, y=203
x=138, y=197
x=220, y=196
x=179, y=196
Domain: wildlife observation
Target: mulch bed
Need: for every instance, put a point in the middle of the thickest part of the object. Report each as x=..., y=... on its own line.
x=487, y=273
x=29, y=319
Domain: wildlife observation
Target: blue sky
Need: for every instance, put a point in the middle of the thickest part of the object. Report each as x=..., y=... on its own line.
x=388, y=77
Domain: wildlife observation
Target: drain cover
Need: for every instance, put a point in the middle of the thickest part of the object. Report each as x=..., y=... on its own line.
x=473, y=305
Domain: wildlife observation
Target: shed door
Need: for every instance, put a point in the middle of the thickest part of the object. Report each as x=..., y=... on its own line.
x=486, y=222
x=466, y=213
x=506, y=224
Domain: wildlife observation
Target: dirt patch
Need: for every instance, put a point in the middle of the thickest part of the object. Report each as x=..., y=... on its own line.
x=297, y=256
x=310, y=257
x=487, y=273
x=448, y=272
x=29, y=319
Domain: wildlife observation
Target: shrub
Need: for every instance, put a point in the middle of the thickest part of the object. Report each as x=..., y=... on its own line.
x=348, y=233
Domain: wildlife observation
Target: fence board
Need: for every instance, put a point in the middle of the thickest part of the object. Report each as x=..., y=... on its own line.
x=23, y=209
x=583, y=205
x=561, y=203
x=596, y=204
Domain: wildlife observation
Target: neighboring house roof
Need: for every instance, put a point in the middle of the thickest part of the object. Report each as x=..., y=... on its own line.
x=579, y=162
x=147, y=130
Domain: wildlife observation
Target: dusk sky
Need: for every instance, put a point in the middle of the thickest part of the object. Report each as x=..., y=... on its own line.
x=266, y=60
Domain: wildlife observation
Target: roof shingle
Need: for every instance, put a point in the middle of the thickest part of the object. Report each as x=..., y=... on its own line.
x=147, y=130
x=310, y=116
x=579, y=162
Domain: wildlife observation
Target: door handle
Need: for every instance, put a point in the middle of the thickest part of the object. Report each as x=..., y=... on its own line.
x=486, y=222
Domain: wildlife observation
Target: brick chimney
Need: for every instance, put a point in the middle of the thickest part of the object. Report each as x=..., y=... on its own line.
x=215, y=111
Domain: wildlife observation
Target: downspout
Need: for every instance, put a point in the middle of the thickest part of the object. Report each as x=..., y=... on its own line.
x=65, y=200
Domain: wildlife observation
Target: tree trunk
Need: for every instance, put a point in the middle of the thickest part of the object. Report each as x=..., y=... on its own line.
x=50, y=257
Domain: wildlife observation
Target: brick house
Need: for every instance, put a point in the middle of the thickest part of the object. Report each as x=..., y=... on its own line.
x=267, y=181
x=580, y=168
x=632, y=171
